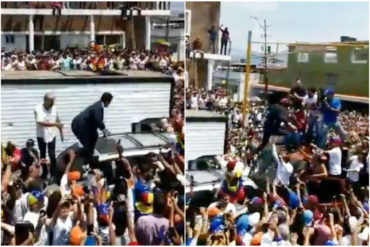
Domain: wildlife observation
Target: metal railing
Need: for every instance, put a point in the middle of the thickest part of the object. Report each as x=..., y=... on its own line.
x=161, y=5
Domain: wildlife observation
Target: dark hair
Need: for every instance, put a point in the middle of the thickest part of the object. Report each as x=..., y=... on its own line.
x=106, y=97
x=159, y=204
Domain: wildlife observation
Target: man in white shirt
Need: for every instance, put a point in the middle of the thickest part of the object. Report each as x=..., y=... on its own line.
x=47, y=125
x=310, y=103
x=284, y=167
x=224, y=205
x=356, y=164
x=335, y=157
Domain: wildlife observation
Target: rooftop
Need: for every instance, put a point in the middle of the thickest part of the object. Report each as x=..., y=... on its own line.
x=203, y=114
x=81, y=12
x=45, y=74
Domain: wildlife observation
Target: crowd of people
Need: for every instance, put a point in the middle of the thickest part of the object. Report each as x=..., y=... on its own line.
x=95, y=58
x=74, y=200
x=295, y=173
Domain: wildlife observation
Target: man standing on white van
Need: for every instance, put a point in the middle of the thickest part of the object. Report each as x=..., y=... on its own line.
x=47, y=125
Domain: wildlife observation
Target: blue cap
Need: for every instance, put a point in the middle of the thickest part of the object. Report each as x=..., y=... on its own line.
x=329, y=91
x=293, y=199
x=307, y=217
x=329, y=242
x=141, y=187
x=242, y=224
x=103, y=208
x=38, y=194
x=90, y=241
x=217, y=224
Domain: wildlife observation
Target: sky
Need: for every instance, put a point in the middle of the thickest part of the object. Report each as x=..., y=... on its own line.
x=295, y=21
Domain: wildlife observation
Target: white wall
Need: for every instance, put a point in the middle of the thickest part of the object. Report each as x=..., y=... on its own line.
x=82, y=40
x=204, y=138
x=19, y=43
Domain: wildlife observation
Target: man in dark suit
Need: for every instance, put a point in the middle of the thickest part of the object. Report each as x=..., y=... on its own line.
x=86, y=123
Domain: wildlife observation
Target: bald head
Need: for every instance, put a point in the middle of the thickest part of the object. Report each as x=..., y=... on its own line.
x=49, y=100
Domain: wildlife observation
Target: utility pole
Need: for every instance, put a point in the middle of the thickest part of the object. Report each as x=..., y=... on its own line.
x=228, y=69
x=264, y=27
x=167, y=28
x=246, y=76
x=265, y=79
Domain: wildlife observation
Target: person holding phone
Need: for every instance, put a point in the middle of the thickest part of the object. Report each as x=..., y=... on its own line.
x=62, y=221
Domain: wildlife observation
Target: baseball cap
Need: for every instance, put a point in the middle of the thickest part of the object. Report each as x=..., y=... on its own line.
x=213, y=211
x=34, y=197
x=293, y=199
x=77, y=190
x=256, y=240
x=231, y=164
x=329, y=91
x=330, y=242
x=30, y=143
x=307, y=217
x=75, y=236
x=74, y=175
x=257, y=200
x=217, y=224
x=242, y=224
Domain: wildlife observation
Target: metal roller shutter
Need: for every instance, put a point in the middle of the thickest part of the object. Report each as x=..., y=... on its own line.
x=132, y=102
x=204, y=138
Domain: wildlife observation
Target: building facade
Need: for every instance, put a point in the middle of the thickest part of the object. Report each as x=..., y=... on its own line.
x=200, y=17
x=343, y=66
x=35, y=26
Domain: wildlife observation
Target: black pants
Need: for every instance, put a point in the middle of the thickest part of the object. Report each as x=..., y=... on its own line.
x=88, y=140
x=130, y=12
x=267, y=133
x=223, y=47
x=57, y=9
x=51, y=151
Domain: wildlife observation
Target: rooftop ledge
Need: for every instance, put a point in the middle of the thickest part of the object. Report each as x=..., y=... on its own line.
x=211, y=56
x=83, y=12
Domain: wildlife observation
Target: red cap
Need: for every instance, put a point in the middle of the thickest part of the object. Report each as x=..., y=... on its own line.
x=231, y=164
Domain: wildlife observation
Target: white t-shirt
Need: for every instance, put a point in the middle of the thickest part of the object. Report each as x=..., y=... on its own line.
x=307, y=101
x=61, y=231
x=50, y=116
x=32, y=217
x=21, y=65
x=64, y=187
x=230, y=208
x=266, y=239
x=237, y=117
x=120, y=63
x=223, y=102
x=284, y=169
x=355, y=164
x=194, y=102
x=335, y=160
x=7, y=67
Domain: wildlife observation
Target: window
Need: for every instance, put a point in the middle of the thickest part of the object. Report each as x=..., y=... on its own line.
x=360, y=55
x=188, y=22
x=331, y=55
x=303, y=57
x=9, y=39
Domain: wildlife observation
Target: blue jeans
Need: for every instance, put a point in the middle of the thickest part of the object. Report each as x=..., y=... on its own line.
x=313, y=128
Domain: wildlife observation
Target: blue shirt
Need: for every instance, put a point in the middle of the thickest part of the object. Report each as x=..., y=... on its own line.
x=330, y=117
x=66, y=64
